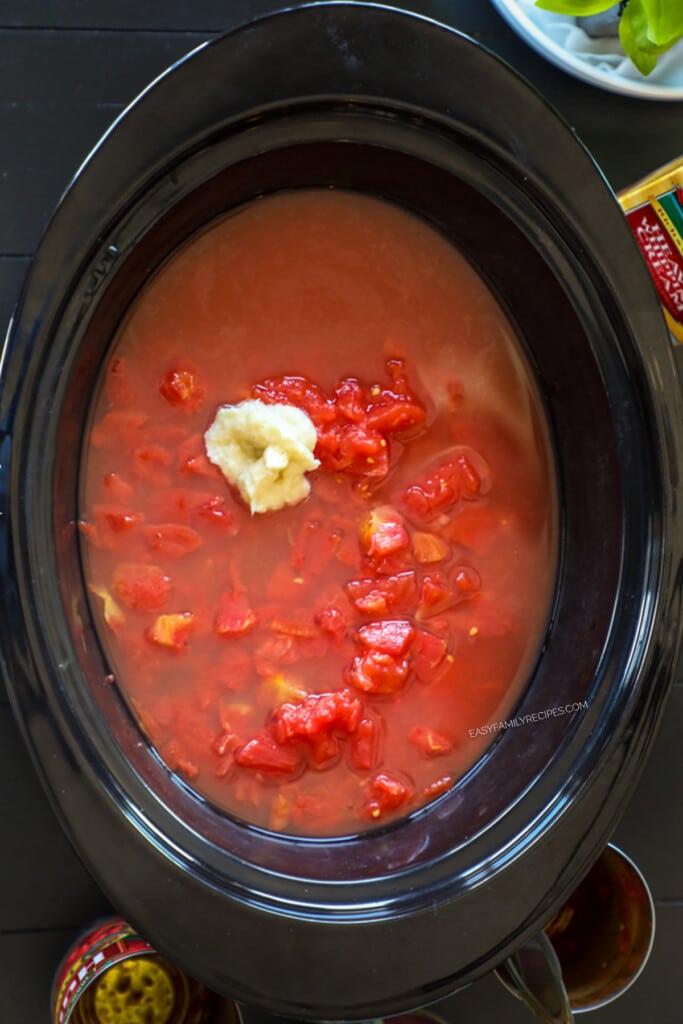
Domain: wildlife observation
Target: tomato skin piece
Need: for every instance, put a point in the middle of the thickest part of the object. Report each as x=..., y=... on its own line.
x=171, y=539
x=377, y=672
x=431, y=742
x=264, y=754
x=384, y=793
x=145, y=587
x=182, y=388
x=118, y=384
x=391, y=636
x=172, y=630
x=428, y=548
x=234, y=616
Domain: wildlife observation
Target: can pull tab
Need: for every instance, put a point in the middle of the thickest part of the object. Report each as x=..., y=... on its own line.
x=654, y=209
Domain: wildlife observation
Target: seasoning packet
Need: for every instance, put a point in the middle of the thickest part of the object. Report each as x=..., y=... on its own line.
x=654, y=209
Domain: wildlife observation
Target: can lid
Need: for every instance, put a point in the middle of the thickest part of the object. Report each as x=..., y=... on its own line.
x=134, y=991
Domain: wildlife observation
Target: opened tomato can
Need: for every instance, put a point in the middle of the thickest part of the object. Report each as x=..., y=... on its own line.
x=111, y=975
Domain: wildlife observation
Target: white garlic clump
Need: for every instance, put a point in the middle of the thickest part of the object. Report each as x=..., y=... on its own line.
x=265, y=451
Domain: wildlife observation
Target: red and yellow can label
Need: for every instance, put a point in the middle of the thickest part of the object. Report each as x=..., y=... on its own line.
x=654, y=210
x=113, y=976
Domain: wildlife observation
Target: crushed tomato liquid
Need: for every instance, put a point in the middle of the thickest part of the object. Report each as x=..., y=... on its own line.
x=327, y=667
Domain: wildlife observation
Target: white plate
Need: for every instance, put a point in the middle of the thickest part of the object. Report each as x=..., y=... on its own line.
x=543, y=30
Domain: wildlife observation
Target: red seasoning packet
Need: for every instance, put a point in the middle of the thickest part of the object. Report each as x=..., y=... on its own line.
x=654, y=209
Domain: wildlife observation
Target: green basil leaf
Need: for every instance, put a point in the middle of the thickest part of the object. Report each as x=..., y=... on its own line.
x=581, y=8
x=633, y=35
x=665, y=21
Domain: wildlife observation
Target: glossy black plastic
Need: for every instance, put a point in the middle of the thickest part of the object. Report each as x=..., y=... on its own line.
x=368, y=98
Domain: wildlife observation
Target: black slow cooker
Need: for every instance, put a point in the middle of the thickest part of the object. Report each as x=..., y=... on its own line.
x=368, y=98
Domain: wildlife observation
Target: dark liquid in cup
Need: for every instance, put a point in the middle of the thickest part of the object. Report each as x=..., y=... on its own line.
x=602, y=934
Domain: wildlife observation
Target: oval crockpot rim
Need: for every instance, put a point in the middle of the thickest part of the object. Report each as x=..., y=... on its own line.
x=52, y=389
x=585, y=854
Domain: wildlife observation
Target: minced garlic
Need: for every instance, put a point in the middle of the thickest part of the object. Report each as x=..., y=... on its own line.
x=265, y=451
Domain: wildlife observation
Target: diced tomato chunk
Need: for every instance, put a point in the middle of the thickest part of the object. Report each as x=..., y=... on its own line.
x=436, y=594
x=118, y=427
x=315, y=546
x=392, y=636
x=428, y=652
x=475, y=475
x=353, y=423
x=318, y=713
x=384, y=793
x=213, y=510
x=171, y=539
x=234, y=616
x=364, y=752
x=322, y=749
x=430, y=741
x=332, y=620
x=350, y=400
x=199, y=465
x=150, y=463
x=467, y=580
x=117, y=517
x=275, y=651
x=383, y=594
x=182, y=388
x=300, y=392
x=437, y=788
x=378, y=672
x=172, y=630
x=294, y=626
x=396, y=414
x=436, y=492
x=264, y=754
x=382, y=533
x=142, y=586
x=117, y=488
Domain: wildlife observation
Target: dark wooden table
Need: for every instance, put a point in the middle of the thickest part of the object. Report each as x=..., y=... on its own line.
x=67, y=67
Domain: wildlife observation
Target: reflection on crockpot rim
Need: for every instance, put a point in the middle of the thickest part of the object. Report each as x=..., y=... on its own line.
x=326, y=665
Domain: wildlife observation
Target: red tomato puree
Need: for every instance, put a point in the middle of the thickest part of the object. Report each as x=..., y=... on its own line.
x=326, y=667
